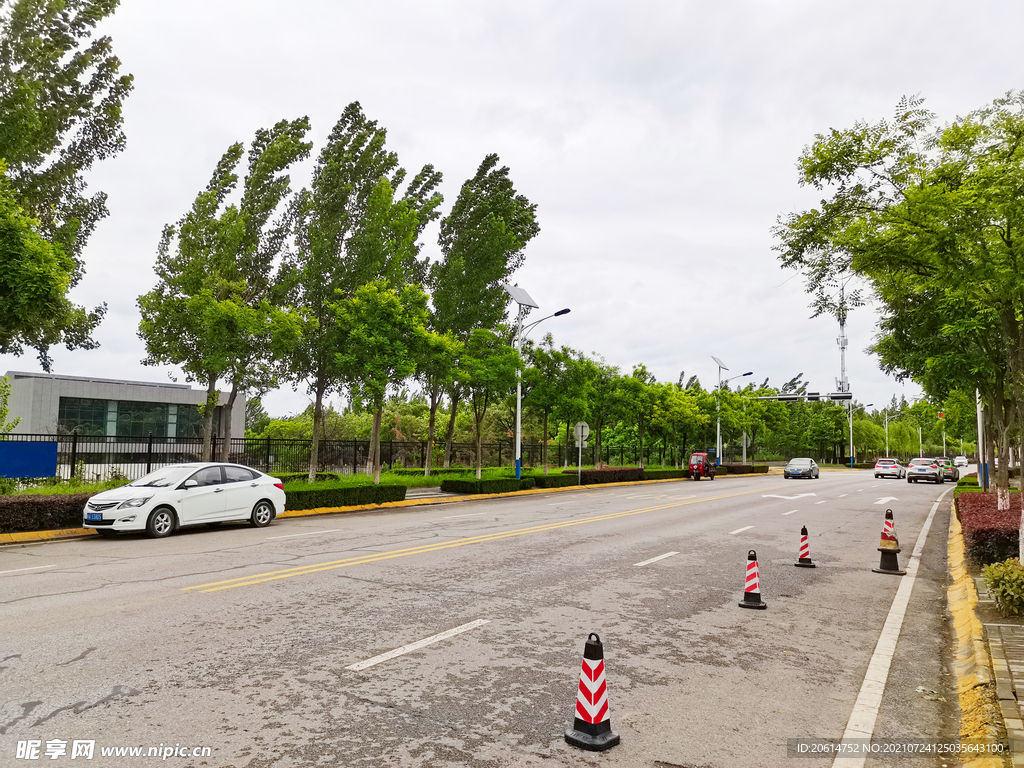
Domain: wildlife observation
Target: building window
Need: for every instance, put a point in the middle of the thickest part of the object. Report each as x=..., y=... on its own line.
x=189, y=422
x=141, y=419
x=83, y=415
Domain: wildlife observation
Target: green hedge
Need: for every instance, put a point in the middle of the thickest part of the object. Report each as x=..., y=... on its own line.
x=352, y=496
x=554, y=481
x=291, y=477
x=506, y=485
x=617, y=475
x=19, y=514
x=433, y=471
x=665, y=474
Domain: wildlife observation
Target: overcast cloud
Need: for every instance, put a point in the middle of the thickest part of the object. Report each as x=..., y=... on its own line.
x=658, y=139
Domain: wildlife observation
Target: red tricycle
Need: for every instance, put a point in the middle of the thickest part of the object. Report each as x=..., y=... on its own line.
x=701, y=465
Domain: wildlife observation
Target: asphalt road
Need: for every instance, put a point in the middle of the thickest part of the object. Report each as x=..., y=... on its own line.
x=252, y=641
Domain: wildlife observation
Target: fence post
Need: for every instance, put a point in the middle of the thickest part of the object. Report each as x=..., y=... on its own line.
x=74, y=451
x=355, y=457
x=266, y=457
x=149, y=455
x=423, y=454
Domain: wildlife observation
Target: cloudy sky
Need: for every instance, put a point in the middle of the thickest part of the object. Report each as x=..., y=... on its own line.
x=658, y=139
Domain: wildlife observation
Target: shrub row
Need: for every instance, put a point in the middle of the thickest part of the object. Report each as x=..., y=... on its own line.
x=291, y=477
x=554, y=481
x=615, y=475
x=665, y=474
x=41, y=513
x=503, y=485
x=433, y=471
x=318, y=498
x=741, y=469
x=990, y=536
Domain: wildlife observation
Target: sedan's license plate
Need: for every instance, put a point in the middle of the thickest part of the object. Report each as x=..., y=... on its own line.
x=91, y=516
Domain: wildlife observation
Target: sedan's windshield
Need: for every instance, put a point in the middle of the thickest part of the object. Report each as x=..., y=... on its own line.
x=161, y=478
x=800, y=463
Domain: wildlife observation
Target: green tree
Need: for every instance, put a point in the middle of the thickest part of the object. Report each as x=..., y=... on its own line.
x=5, y=394
x=488, y=370
x=215, y=310
x=350, y=230
x=383, y=331
x=482, y=240
x=929, y=218
x=638, y=396
x=60, y=97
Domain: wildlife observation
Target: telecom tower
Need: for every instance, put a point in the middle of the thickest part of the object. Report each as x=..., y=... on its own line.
x=842, y=384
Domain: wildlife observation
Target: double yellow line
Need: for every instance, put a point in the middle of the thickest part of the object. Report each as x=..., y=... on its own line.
x=260, y=578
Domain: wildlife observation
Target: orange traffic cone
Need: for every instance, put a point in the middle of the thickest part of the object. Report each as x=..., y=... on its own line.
x=752, y=587
x=889, y=546
x=592, y=728
x=805, y=551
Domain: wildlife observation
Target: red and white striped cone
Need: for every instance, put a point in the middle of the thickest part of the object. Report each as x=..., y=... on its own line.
x=752, y=587
x=889, y=546
x=592, y=727
x=805, y=551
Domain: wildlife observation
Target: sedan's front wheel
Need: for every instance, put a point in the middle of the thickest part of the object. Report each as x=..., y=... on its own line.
x=160, y=523
x=262, y=514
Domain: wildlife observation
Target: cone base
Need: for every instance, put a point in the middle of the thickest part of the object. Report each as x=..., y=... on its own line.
x=889, y=563
x=755, y=604
x=598, y=743
x=805, y=563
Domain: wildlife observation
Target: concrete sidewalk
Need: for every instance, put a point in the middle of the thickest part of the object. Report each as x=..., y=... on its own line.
x=1006, y=647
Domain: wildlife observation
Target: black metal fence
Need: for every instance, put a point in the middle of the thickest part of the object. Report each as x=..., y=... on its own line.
x=93, y=457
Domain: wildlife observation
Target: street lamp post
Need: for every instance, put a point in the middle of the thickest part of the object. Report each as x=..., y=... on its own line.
x=718, y=406
x=522, y=298
x=887, y=420
x=859, y=408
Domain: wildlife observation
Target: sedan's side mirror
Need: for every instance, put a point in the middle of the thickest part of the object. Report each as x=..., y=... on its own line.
x=189, y=484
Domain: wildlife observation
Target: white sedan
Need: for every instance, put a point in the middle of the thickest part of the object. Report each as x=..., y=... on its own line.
x=186, y=494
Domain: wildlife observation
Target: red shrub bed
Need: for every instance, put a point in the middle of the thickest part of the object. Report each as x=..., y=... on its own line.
x=990, y=536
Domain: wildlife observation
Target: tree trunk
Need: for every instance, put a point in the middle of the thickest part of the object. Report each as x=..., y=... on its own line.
x=374, y=437
x=435, y=400
x=544, y=444
x=597, y=444
x=1003, y=422
x=212, y=398
x=456, y=398
x=641, y=425
x=318, y=423
x=225, y=447
x=375, y=444
x=566, y=457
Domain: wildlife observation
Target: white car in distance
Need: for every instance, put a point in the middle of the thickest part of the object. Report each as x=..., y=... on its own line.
x=186, y=494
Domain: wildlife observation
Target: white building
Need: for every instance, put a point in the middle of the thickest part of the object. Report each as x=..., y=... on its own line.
x=50, y=405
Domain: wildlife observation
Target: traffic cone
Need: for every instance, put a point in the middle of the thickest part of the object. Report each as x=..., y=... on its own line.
x=889, y=546
x=592, y=728
x=805, y=551
x=752, y=588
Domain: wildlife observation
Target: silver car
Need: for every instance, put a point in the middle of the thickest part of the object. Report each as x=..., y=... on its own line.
x=801, y=468
x=186, y=494
x=924, y=469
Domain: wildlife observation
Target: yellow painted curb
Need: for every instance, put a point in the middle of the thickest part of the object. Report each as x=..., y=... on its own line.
x=979, y=711
x=60, y=533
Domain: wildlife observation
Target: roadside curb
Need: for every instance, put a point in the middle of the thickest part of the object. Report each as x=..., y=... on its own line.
x=982, y=711
x=29, y=537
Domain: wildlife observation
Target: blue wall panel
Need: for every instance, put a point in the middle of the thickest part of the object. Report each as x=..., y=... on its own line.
x=19, y=459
